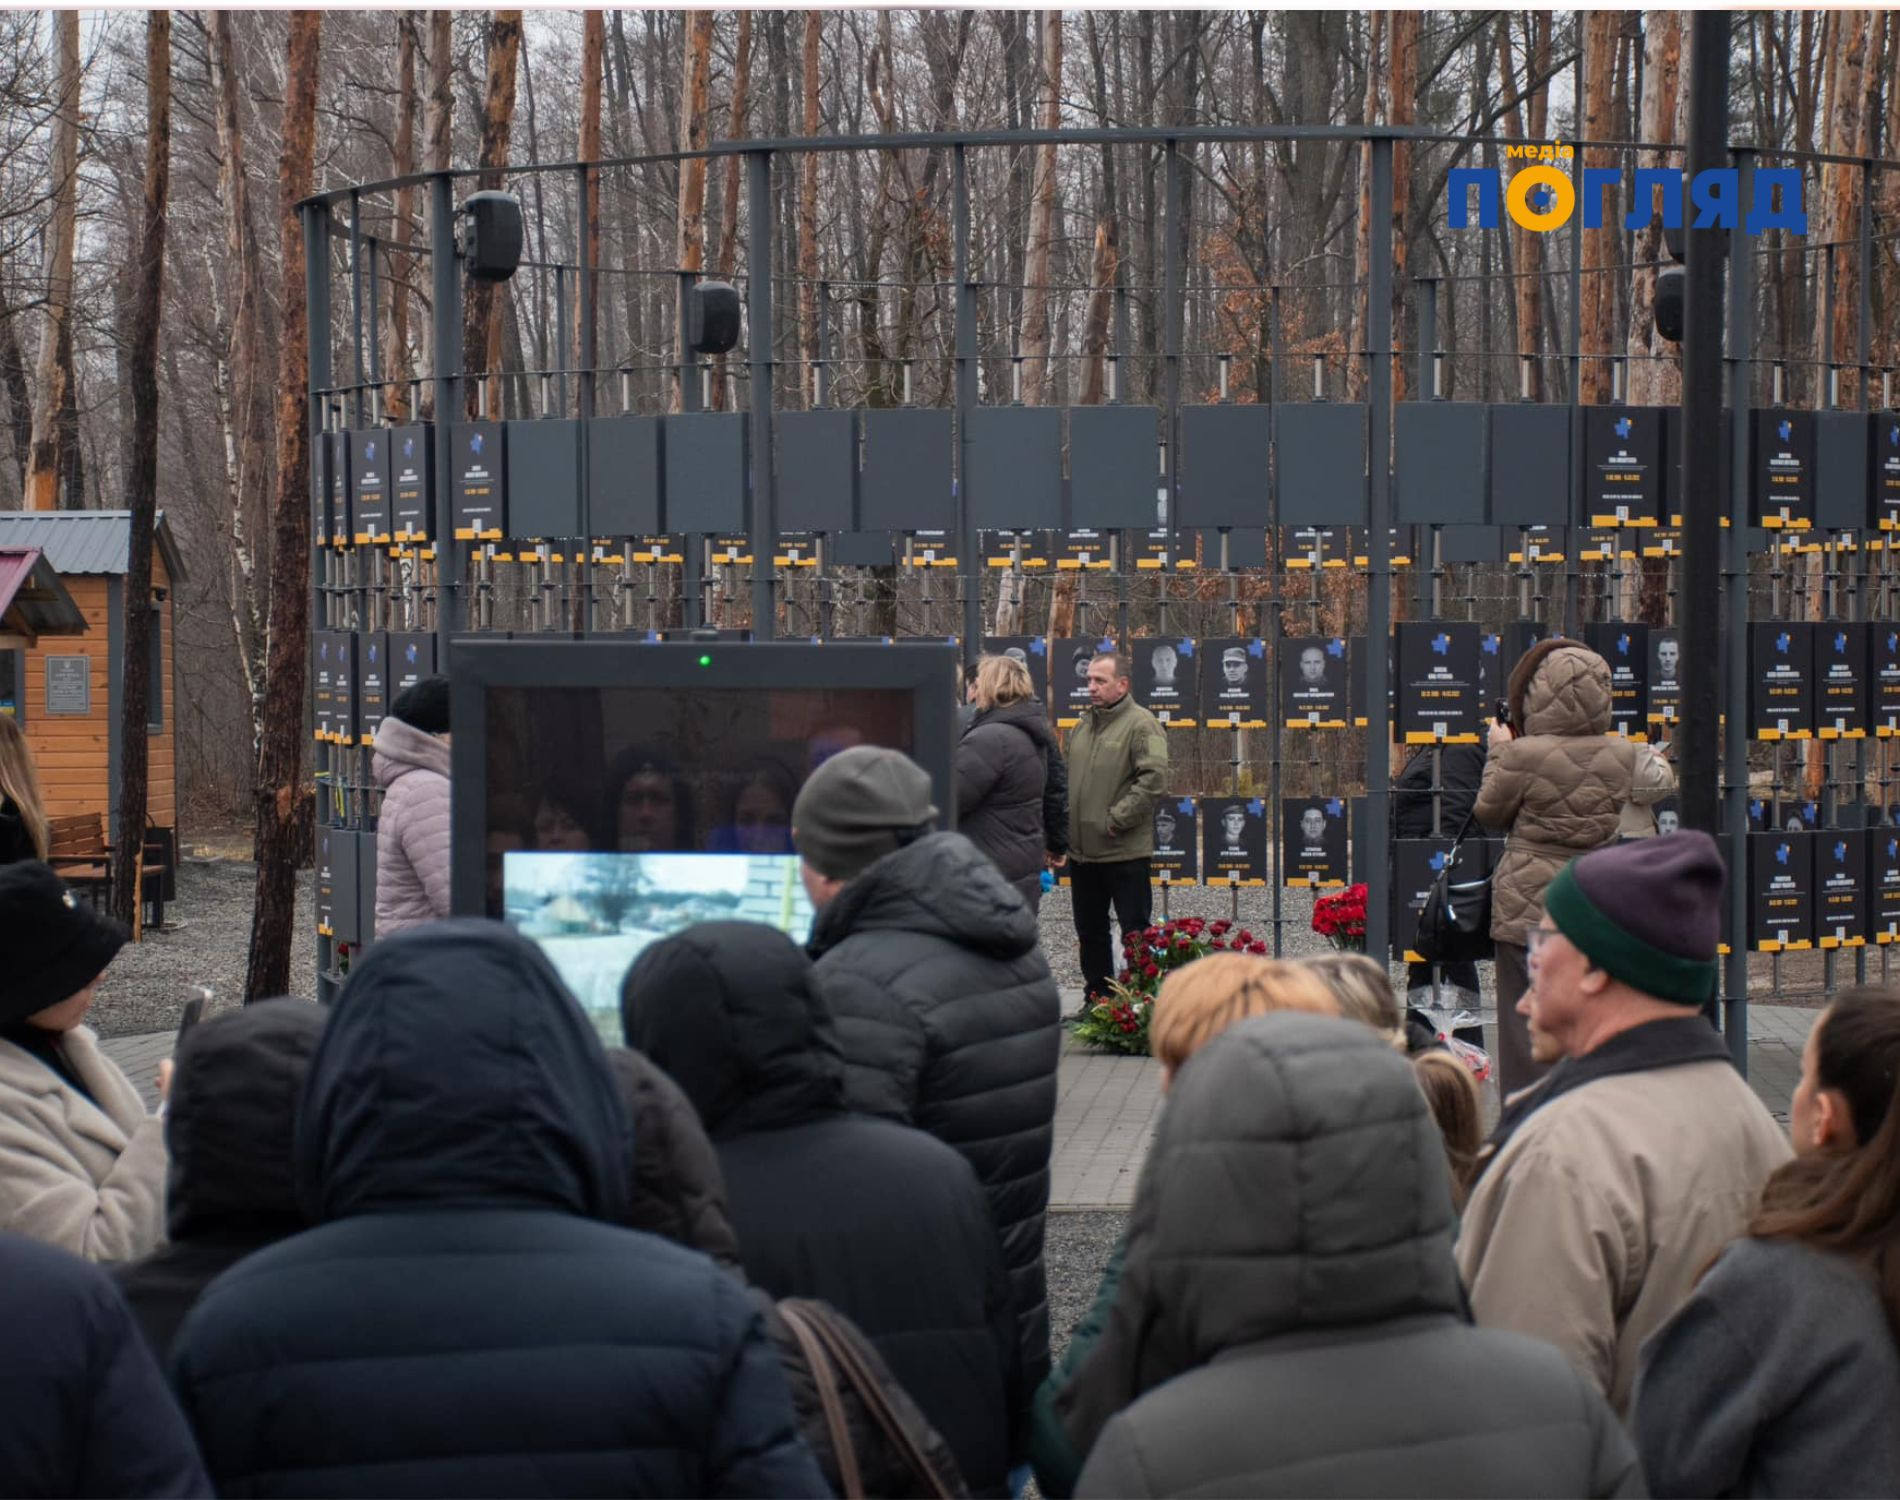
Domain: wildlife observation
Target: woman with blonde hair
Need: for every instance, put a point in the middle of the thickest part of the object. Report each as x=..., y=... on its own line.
x=23, y=829
x=1197, y=1003
x=1012, y=785
x=1452, y=1096
x=1362, y=989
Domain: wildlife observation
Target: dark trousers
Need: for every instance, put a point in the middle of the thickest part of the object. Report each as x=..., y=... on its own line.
x=1517, y=1069
x=1092, y=888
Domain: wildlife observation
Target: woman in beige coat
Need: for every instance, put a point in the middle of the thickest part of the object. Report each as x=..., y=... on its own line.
x=1558, y=781
x=82, y=1166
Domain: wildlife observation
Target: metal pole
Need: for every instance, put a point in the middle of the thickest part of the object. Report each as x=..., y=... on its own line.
x=1171, y=318
x=1377, y=834
x=1741, y=348
x=584, y=404
x=764, y=507
x=316, y=281
x=969, y=564
x=446, y=356
x=356, y=309
x=560, y=343
x=1579, y=517
x=692, y=543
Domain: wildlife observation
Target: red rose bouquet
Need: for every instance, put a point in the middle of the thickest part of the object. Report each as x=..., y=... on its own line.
x=1341, y=918
x=1120, y=1022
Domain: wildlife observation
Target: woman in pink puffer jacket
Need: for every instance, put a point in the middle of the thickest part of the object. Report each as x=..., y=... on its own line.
x=412, y=832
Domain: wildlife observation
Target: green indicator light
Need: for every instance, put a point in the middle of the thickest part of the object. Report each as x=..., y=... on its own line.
x=705, y=661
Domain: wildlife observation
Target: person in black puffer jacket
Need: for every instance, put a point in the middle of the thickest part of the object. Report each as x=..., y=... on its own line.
x=947, y=1014
x=469, y=1316
x=883, y=1221
x=230, y=1124
x=1460, y=769
x=1012, y=783
x=1289, y=1319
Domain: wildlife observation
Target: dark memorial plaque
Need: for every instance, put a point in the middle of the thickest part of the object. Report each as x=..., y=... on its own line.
x=1314, y=847
x=1625, y=647
x=1529, y=444
x=1415, y=865
x=658, y=549
x=1883, y=679
x=1234, y=683
x=1022, y=549
x=1883, y=885
x=343, y=703
x=346, y=912
x=1315, y=682
x=1780, y=891
x=1604, y=544
x=1233, y=841
x=1083, y=548
x=1438, y=683
x=476, y=488
x=1840, y=888
x=1841, y=650
x=1536, y=544
x=1622, y=470
x=342, y=495
x=626, y=475
x=412, y=463
x=1031, y=650
x=1493, y=672
x=906, y=484
x=1359, y=693
x=544, y=479
x=795, y=549
x=322, y=496
x=930, y=549
x=1177, y=843
x=1780, y=680
x=1665, y=675
x=1316, y=546
x=369, y=480
x=1162, y=549
x=1782, y=473
x=1069, y=658
x=1887, y=471
x=372, y=682
x=322, y=685
x=411, y=658
x=1166, y=680
x=327, y=839
x=729, y=551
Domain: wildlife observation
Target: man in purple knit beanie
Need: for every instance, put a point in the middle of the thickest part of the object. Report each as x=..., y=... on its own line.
x=1611, y=1184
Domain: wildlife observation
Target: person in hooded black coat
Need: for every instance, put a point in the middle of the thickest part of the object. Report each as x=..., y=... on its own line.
x=884, y=1222
x=468, y=1316
x=1012, y=783
x=230, y=1120
x=1460, y=770
x=83, y=1408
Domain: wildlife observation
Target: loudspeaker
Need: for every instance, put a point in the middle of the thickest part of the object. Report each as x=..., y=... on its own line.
x=1670, y=286
x=488, y=235
x=712, y=317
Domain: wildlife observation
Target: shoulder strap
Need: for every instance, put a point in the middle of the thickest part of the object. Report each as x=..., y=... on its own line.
x=811, y=1347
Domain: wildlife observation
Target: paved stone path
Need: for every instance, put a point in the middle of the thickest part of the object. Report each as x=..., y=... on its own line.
x=1107, y=1106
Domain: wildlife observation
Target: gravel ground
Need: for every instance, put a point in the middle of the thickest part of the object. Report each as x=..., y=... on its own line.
x=1075, y=1250
x=206, y=937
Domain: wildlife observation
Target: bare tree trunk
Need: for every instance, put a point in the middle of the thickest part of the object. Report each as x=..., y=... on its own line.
x=438, y=121
x=481, y=320
x=1600, y=244
x=1042, y=221
x=808, y=212
x=13, y=380
x=401, y=262
x=1101, y=304
x=1654, y=377
x=282, y=805
x=689, y=245
x=1846, y=134
x=1402, y=110
x=1527, y=247
x=593, y=49
x=729, y=216
x=142, y=479
x=1356, y=365
x=47, y=461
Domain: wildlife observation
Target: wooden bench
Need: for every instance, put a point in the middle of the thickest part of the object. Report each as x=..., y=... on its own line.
x=78, y=851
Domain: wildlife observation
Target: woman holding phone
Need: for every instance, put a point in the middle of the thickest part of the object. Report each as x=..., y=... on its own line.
x=82, y=1165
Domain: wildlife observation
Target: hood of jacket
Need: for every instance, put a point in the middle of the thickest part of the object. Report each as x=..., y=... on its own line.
x=1297, y=1183
x=231, y=1121
x=1569, y=695
x=679, y=1190
x=402, y=748
x=731, y=1012
x=458, y=1072
x=1026, y=714
x=942, y=885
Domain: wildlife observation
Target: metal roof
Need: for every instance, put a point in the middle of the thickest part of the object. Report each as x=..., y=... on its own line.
x=31, y=592
x=85, y=541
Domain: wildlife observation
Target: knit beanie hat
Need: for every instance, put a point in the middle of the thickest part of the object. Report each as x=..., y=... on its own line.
x=1648, y=913
x=860, y=805
x=55, y=943
x=424, y=705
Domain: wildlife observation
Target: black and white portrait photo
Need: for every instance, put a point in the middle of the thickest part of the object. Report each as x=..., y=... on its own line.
x=1233, y=682
x=1069, y=658
x=1173, y=862
x=1314, y=848
x=1314, y=682
x=1165, y=682
x=1032, y=651
x=1235, y=841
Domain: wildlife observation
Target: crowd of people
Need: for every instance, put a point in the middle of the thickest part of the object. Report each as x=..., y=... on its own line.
x=788, y=1240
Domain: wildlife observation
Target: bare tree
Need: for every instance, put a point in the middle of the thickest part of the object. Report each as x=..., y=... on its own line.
x=808, y=211
x=695, y=108
x=729, y=209
x=1654, y=377
x=142, y=480
x=593, y=47
x=47, y=459
x=481, y=318
x=1042, y=221
x=401, y=261
x=1600, y=245
x=282, y=798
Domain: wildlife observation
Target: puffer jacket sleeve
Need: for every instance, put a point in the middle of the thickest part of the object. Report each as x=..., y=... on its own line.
x=1115, y=1468
x=137, y=1442
x=1652, y=778
x=1501, y=793
x=757, y=1446
x=425, y=842
x=1055, y=801
x=883, y=1041
x=979, y=765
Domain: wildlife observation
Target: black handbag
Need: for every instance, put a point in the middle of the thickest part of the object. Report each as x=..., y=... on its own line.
x=1454, y=925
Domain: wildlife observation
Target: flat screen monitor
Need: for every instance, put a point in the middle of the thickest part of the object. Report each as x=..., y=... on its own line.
x=594, y=914
x=595, y=748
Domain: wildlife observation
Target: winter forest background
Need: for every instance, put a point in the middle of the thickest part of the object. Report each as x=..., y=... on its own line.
x=863, y=239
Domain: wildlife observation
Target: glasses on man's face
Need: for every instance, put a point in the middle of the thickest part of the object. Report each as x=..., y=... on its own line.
x=1535, y=940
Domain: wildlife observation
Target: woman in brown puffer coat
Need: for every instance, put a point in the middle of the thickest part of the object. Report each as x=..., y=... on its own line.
x=1557, y=780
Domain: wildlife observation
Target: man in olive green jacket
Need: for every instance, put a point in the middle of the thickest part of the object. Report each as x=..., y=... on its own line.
x=1118, y=770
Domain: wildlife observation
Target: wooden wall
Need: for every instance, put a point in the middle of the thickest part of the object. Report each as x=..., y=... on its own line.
x=73, y=752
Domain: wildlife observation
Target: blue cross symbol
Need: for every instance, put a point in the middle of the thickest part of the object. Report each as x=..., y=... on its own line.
x=369, y=450
x=1185, y=806
x=1038, y=646
x=1441, y=644
x=1840, y=642
x=1439, y=860
x=1782, y=641
x=1786, y=429
x=1624, y=427
x=1256, y=808
x=1623, y=645
x=1840, y=853
x=475, y=443
x=409, y=653
x=1490, y=644
x=408, y=447
x=1782, y=851
x=1257, y=647
x=1336, y=647
x=1334, y=807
